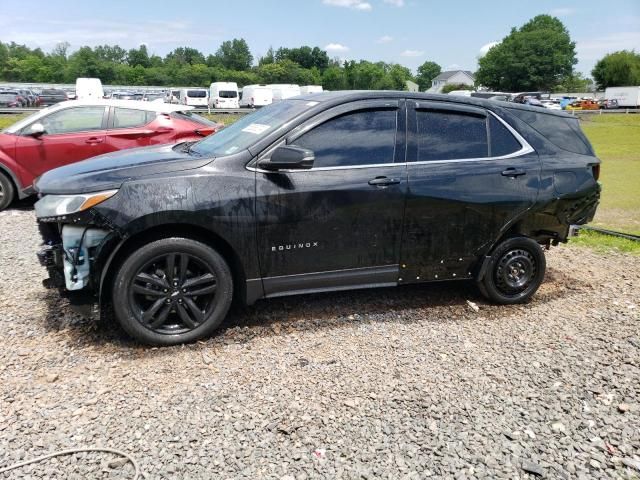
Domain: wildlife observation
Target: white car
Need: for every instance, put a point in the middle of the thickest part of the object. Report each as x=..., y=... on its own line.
x=551, y=104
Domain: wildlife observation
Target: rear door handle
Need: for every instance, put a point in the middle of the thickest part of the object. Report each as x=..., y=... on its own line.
x=513, y=172
x=383, y=181
x=93, y=140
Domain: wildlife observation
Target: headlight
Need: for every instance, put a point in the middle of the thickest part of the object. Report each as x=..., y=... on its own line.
x=56, y=205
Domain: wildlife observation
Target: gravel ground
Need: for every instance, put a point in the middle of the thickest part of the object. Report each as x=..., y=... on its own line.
x=396, y=383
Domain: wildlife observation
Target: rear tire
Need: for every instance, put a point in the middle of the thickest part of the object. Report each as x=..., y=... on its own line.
x=7, y=191
x=515, y=271
x=172, y=291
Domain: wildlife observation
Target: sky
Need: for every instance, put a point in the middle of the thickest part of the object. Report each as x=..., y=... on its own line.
x=408, y=32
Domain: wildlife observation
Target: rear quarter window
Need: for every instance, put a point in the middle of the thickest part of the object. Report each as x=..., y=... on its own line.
x=563, y=132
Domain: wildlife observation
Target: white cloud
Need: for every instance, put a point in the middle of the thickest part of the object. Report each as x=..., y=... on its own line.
x=46, y=33
x=562, y=12
x=485, y=48
x=336, y=47
x=596, y=47
x=353, y=4
x=412, y=53
x=385, y=39
x=395, y=3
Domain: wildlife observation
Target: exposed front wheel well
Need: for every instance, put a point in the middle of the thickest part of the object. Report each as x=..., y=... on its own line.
x=192, y=232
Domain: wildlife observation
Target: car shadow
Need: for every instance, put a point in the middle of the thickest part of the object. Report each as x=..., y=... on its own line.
x=24, y=205
x=431, y=302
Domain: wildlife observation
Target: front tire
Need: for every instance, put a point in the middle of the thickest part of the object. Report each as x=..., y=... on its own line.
x=515, y=271
x=7, y=191
x=172, y=291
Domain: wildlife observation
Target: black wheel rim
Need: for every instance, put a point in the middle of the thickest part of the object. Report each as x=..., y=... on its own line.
x=173, y=293
x=516, y=270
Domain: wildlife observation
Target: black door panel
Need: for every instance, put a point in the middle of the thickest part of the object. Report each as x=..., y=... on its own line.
x=456, y=208
x=344, y=214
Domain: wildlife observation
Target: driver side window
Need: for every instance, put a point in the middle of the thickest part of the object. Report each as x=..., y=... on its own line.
x=77, y=119
x=363, y=137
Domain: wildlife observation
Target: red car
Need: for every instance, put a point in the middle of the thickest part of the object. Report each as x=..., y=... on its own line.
x=75, y=130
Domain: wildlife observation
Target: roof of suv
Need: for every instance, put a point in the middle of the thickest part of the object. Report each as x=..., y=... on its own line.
x=350, y=95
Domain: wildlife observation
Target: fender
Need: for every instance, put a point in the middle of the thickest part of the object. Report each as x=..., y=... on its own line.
x=8, y=170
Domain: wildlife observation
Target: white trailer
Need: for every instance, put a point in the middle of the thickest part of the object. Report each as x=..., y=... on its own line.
x=306, y=89
x=194, y=97
x=223, y=95
x=627, y=97
x=284, y=90
x=256, y=96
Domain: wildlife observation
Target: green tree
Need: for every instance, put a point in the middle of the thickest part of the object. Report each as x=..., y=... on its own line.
x=139, y=56
x=269, y=57
x=426, y=73
x=456, y=86
x=235, y=54
x=333, y=78
x=617, y=69
x=304, y=56
x=184, y=55
x=576, y=82
x=85, y=63
x=110, y=53
x=537, y=56
x=4, y=58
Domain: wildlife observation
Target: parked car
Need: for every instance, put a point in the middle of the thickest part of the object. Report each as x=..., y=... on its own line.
x=152, y=96
x=551, y=104
x=123, y=96
x=11, y=99
x=256, y=96
x=583, y=105
x=195, y=97
x=336, y=190
x=282, y=91
x=51, y=96
x=72, y=131
x=223, y=95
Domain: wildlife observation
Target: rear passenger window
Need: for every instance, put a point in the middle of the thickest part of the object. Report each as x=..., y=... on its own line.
x=365, y=137
x=448, y=135
x=502, y=141
x=129, y=117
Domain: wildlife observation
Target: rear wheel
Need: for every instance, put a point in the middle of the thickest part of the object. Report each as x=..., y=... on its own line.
x=171, y=291
x=7, y=191
x=515, y=271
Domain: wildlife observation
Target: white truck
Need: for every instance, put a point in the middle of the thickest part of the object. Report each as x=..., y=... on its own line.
x=223, y=95
x=284, y=90
x=194, y=97
x=89, y=89
x=627, y=97
x=306, y=89
x=256, y=96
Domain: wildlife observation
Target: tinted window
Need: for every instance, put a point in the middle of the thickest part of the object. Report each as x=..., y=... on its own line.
x=364, y=137
x=128, y=117
x=227, y=94
x=564, y=132
x=450, y=135
x=502, y=141
x=196, y=93
x=73, y=120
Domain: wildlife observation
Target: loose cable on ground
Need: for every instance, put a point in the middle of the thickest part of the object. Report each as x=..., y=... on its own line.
x=60, y=453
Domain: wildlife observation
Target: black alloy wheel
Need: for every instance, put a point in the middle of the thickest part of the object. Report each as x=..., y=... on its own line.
x=171, y=291
x=514, y=272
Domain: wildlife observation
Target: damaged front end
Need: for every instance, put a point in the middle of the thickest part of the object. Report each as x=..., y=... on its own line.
x=73, y=235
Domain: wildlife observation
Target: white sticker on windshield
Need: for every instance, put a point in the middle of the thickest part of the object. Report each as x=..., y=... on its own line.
x=229, y=151
x=256, y=128
x=312, y=104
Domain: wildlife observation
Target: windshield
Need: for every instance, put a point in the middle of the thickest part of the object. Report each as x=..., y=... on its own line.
x=251, y=128
x=227, y=94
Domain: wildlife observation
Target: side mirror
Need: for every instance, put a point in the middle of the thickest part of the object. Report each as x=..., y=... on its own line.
x=288, y=157
x=37, y=130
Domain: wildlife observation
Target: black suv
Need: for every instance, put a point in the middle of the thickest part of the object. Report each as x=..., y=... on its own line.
x=330, y=191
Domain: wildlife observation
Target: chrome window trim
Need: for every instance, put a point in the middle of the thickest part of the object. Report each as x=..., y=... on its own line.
x=526, y=149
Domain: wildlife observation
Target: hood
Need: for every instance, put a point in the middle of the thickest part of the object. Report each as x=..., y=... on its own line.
x=110, y=171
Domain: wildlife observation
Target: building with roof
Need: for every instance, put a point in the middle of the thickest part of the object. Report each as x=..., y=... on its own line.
x=452, y=77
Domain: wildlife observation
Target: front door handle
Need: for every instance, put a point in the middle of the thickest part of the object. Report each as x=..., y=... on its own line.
x=93, y=140
x=383, y=181
x=513, y=172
